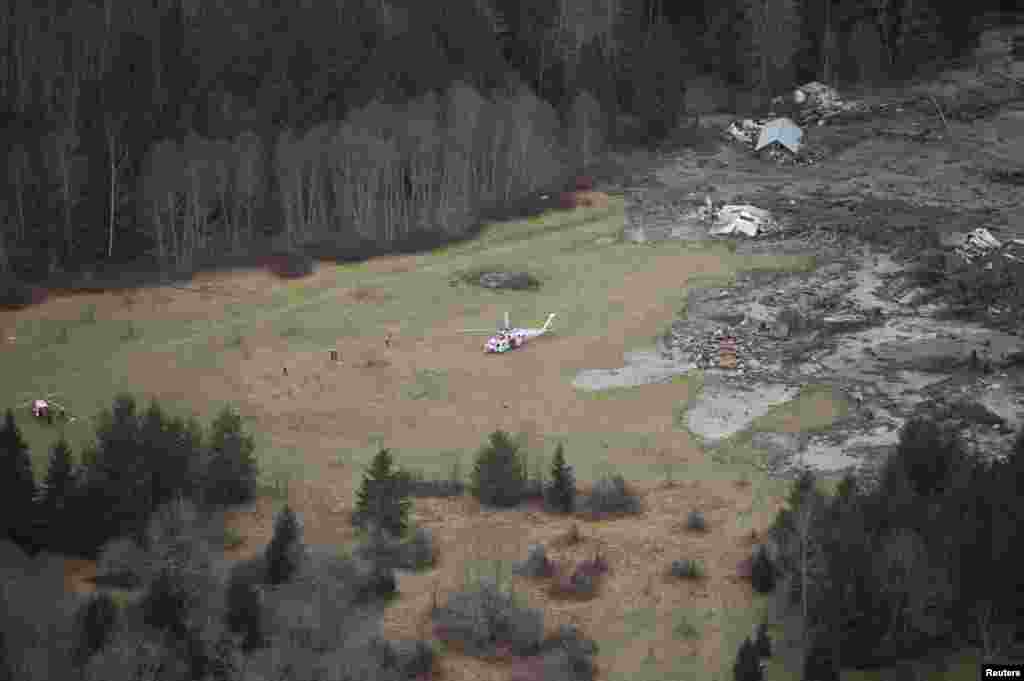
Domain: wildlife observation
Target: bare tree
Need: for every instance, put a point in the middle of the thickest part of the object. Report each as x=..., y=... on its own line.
x=117, y=151
x=774, y=30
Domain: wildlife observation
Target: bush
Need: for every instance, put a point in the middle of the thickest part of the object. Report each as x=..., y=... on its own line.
x=94, y=626
x=231, y=469
x=413, y=658
x=290, y=265
x=374, y=582
x=762, y=571
x=695, y=522
x=484, y=616
x=581, y=583
x=561, y=493
x=421, y=551
x=16, y=294
x=748, y=663
x=417, y=486
x=566, y=656
x=611, y=495
x=383, y=496
x=537, y=563
x=285, y=550
x=499, y=476
x=686, y=569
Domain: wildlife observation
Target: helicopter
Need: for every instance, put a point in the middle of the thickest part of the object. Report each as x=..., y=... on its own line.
x=509, y=338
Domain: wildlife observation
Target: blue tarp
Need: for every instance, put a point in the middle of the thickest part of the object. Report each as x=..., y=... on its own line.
x=781, y=130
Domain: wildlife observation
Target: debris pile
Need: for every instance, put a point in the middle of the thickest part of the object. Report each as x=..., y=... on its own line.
x=818, y=103
x=977, y=244
x=742, y=219
x=722, y=349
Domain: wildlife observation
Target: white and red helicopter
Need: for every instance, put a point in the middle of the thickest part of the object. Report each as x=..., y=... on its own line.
x=509, y=337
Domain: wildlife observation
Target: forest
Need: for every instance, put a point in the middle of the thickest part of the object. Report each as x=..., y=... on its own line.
x=168, y=135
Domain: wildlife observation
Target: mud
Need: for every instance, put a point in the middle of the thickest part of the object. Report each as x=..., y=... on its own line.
x=860, y=323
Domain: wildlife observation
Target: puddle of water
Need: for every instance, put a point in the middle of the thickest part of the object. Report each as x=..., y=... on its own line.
x=724, y=409
x=642, y=367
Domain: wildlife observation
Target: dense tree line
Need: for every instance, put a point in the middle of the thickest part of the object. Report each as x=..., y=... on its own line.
x=924, y=558
x=173, y=131
x=138, y=463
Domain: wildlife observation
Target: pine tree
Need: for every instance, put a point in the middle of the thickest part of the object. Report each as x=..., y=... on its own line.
x=284, y=552
x=383, y=497
x=17, y=484
x=762, y=572
x=231, y=469
x=748, y=663
x=763, y=642
x=562, y=491
x=56, y=495
x=499, y=477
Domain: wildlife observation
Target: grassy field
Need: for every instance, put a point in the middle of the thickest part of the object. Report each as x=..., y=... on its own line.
x=434, y=396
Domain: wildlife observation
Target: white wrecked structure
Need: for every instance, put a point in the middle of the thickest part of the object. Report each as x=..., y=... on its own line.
x=741, y=219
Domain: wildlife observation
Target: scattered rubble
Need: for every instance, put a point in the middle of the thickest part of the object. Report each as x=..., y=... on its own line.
x=743, y=219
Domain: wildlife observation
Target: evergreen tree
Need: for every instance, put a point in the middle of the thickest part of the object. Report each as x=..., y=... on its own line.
x=499, y=477
x=5, y=661
x=748, y=663
x=284, y=552
x=17, y=484
x=763, y=642
x=166, y=603
x=383, y=497
x=94, y=626
x=562, y=491
x=56, y=495
x=762, y=573
x=231, y=469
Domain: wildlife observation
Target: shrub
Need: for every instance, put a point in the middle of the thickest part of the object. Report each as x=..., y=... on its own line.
x=291, y=265
x=561, y=493
x=687, y=569
x=94, y=627
x=565, y=656
x=762, y=571
x=499, y=476
x=16, y=294
x=581, y=583
x=374, y=582
x=748, y=663
x=537, y=563
x=412, y=658
x=695, y=522
x=383, y=496
x=481, y=617
x=244, y=611
x=285, y=550
x=421, y=551
x=231, y=468
x=611, y=495
x=418, y=486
